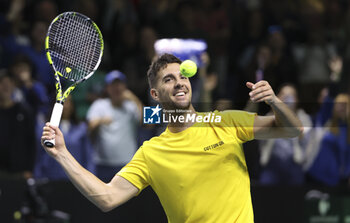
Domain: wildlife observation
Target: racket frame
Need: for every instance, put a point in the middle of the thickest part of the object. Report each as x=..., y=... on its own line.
x=60, y=95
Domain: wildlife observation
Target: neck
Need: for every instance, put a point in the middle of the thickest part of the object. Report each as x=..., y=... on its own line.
x=179, y=126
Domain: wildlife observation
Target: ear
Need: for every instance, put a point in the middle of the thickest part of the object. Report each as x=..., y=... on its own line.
x=154, y=94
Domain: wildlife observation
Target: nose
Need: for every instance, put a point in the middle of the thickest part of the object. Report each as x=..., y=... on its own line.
x=179, y=83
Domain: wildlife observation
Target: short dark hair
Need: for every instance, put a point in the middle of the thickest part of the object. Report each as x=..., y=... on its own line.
x=160, y=63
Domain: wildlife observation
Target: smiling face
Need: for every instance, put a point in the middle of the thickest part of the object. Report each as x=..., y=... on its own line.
x=172, y=89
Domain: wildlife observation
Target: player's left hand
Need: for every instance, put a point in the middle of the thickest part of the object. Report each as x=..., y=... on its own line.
x=261, y=91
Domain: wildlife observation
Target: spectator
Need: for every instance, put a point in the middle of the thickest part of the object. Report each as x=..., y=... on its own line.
x=32, y=45
x=45, y=10
x=183, y=23
x=332, y=164
x=137, y=81
x=282, y=158
x=158, y=14
x=325, y=101
x=79, y=144
x=11, y=31
x=113, y=125
x=204, y=84
x=259, y=68
x=17, y=133
x=87, y=93
x=31, y=91
x=36, y=52
x=273, y=61
x=213, y=21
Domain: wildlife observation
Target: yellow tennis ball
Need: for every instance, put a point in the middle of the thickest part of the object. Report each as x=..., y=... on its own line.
x=188, y=68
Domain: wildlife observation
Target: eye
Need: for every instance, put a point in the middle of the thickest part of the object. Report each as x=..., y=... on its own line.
x=167, y=80
x=183, y=77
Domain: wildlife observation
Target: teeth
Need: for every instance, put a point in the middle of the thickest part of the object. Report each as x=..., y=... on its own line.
x=180, y=94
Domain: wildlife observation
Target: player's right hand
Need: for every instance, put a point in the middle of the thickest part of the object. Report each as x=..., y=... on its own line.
x=53, y=132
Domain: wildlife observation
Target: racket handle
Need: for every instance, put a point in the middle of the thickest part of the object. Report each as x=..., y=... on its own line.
x=55, y=121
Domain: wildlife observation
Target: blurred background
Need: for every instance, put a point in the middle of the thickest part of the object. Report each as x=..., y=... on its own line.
x=300, y=46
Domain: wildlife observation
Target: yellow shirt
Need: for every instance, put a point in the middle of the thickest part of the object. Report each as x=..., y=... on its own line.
x=199, y=174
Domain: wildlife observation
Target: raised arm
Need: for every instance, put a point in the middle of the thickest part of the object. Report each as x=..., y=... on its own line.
x=129, y=95
x=106, y=196
x=284, y=123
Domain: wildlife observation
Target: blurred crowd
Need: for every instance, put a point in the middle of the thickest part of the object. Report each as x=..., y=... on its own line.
x=301, y=47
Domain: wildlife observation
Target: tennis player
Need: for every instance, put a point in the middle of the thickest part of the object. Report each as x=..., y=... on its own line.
x=197, y=169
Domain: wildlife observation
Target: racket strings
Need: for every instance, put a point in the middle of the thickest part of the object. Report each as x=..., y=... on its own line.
x=75, y=46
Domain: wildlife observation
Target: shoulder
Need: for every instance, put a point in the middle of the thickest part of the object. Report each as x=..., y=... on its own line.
x=236, y=117
x=155, y=141
x=234, y=113
x=101, y=103
x=129, y=105
x=151, y=142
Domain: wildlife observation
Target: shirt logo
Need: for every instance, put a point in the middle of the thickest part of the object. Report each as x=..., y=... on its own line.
x=214, y=146
x=151, y=114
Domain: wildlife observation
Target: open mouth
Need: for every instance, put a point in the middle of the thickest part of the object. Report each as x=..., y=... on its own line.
x=179, y=94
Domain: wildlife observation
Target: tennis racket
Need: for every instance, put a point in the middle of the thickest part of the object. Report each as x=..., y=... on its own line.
x=74, y=48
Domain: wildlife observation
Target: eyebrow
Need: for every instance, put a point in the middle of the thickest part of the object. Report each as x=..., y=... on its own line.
x=168, y=75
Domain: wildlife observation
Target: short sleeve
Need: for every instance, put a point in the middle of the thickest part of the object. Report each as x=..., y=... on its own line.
x=241, y=122
x=95, y=111
x=136, y=171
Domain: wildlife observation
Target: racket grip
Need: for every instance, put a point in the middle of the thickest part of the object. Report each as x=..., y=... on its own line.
x=55, y=121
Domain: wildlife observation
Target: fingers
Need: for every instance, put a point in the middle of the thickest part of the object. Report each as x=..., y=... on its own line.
x=262, y=96
x=261, y=83
x=261, y=91
x=256, y=85
x=249, y=85
x=48, y=132
x=49, y=128
x=56, y=130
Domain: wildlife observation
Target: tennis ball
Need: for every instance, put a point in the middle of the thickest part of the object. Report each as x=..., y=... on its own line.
x=188, y=68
